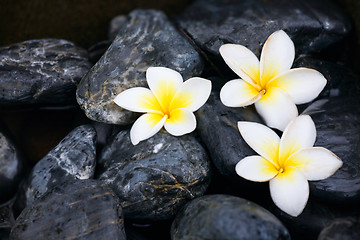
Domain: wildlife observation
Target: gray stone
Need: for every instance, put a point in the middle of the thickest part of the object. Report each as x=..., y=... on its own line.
x=72, y=158
x=83, y=209
x=341, y=229
x=148, y=39
x=155, y=178
x=44, y=71
x=226, y=217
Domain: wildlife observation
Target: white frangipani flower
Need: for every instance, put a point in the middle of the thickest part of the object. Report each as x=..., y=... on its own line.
x=169, y=102
x=269, y=83
x=288, y=163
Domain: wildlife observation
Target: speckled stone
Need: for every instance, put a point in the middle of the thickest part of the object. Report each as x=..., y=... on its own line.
x=44, y=71
x=148, y=39
x=155, y=178
x=11, y=168
x=226, y=217
x=83, y=209
x=72, y=158
x=341, y=229
x=312, y=24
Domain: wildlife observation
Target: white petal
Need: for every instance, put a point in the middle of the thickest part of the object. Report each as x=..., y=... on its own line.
x=238, y=93
x=302, y=84
x=192, y=94
x=242, y=61
x=262, y=139
x=180, y=122
x=276, y=108
x=163, y=83
x=138, y=99
x=299, y=134
x=315, y=163
x=256, y=168
x=290, y=191
x=146, y=126
x=277, y=56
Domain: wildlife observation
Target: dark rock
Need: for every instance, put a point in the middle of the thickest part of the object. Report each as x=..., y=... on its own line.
x=6, y=217
x=148, y=39
x=83, y=209
x=217, y=127
x=41, y=71
x=156, y=177
x=116, y=24
x=337, y=122
x=11, y=168
x=341, y=229
x=312, y=25
x=72, y=158
x=226, y=217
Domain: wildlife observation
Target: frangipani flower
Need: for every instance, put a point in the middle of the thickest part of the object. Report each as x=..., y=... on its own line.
x=169, y=102
x=287, y=162
x=269, y=83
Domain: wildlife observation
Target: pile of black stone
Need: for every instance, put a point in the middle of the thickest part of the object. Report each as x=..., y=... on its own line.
x=94, y=184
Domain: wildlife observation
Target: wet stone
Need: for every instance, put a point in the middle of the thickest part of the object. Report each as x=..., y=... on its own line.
x=44, y=71
x=341, y=229
x=72, y=158
x=147, y=39
x=11, y=168
x=217, y=127
x=226, y=217
x=83, y=209
x=155, y=178
x=312, y=25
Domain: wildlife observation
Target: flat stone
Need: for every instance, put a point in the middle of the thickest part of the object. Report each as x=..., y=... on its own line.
x=148, y=39
x=226, y=217
x=341, y=229
x=83, y=209
x=72, y=158
x=155, y=178
x=312, y=24
x=44, y=71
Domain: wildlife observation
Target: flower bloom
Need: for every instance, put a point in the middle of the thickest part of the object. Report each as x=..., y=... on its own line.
x=287, y=162
x=269, y=83
x=169, y=102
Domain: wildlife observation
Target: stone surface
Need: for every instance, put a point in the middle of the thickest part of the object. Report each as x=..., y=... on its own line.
x=72, y=158
x=226, y=217
x=155, y=178
x=312, y=24
x=337, y=122
x=41, y=71
x=83, y=209
x=217, y=127
x=148, y=39
x=11, y=168
x=341, y=229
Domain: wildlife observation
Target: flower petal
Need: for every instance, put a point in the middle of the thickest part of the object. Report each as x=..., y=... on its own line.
x=299, y=134
x=290, y=191
x=180, y=122
x=242, y=61
x=276, y=108
x=163, y=83
x=138, y=99
x=277, y=56
x=238, y=93
x=146, y=126
x=302, y=84
x=315, y=163
x=262, y=139
x=256, y=168
x=192, y=94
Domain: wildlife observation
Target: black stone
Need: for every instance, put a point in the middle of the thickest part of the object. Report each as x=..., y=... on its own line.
x=44, y=71
x=226, y=217
x=341, y=229
x=156, y=177
x=312, y=24
x=148, y=39
x=83, y=209
x=11, y=168
x=72, y=158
